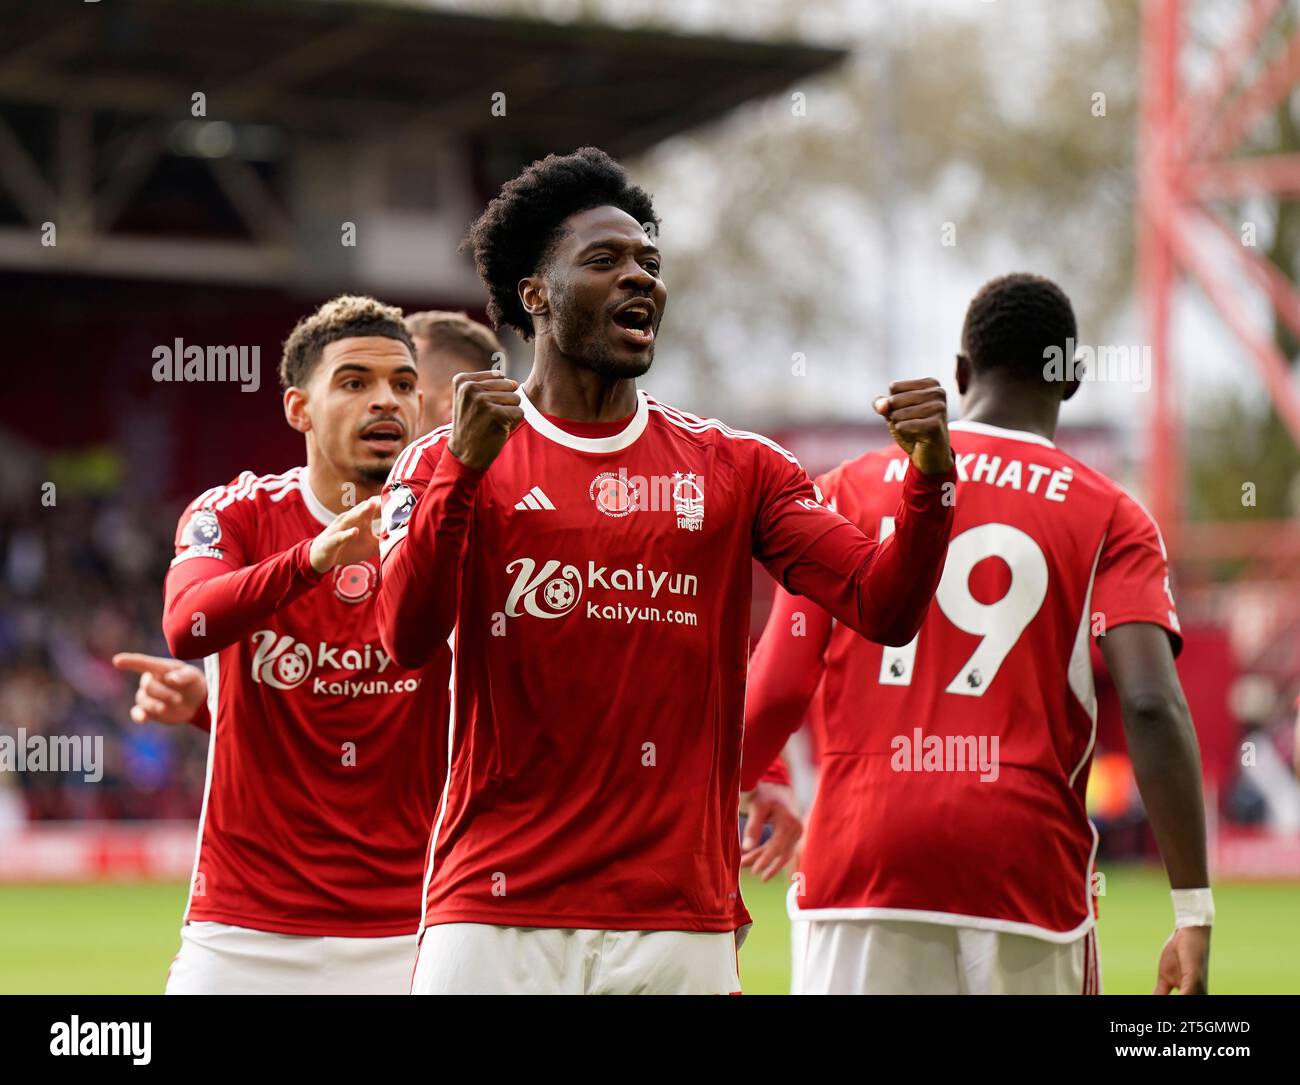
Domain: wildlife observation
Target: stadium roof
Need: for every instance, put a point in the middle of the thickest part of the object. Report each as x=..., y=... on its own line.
x=325, y=65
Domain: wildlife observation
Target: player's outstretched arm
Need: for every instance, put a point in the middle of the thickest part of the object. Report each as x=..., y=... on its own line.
x=427, y=504
x=208, y=605
x=784, y=672
x=1167, y=763
x=881, y=590
x=783, y=675
x=169, y=691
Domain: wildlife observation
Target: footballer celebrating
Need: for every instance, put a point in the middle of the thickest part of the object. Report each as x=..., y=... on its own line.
x=949, y=848
x=321, y=782
x=590, y=548
x=446, y=343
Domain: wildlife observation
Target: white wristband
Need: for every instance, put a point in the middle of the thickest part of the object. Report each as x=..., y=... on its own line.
x=1193, y=908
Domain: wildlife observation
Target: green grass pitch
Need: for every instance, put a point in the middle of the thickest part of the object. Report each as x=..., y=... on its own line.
x=109, y=938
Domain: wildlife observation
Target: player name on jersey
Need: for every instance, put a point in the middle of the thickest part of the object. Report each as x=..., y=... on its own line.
x=954, y=768
x=1004, y=472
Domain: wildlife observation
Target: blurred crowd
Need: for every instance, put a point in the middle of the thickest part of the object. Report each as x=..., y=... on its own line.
x=78, y=582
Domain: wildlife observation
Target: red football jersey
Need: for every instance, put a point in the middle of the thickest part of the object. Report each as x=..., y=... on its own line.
x=322, y=779
x=601, y=645
x=953, y=770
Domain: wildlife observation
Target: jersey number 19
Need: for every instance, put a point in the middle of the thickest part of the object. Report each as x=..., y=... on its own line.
x=998, y=624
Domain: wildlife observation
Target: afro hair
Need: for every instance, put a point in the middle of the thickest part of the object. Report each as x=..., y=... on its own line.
x=515, y=235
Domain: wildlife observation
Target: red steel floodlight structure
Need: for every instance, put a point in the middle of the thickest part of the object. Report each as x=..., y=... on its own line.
x=1187, y=136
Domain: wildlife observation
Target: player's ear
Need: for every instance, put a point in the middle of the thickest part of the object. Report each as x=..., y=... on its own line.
x=295, y=408
x=963, y=374
x=1076, y=378
x=532, y=292
x=419, y=408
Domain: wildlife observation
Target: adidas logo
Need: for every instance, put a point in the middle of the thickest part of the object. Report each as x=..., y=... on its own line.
x=535, y=499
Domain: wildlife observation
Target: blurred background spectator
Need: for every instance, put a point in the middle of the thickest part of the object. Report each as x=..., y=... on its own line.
x=78, y=586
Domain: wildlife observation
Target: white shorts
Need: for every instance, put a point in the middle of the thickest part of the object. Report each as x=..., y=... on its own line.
x=218, y=959
x=480, y=959
x=889, y=957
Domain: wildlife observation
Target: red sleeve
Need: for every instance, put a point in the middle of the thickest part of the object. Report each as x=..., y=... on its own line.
x=202, y=719
x=212, y=598
x=1132, y=582
x=783, y=676
x=427, y=509
x=784, y=672
x=881, y=590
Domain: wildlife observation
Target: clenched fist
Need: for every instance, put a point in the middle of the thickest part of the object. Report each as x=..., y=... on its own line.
x=917, y=414
x=485, y=408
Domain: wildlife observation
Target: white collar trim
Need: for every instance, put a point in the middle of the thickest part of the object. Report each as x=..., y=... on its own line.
x=1000, y=431
x=313, y=503
x=614, y=443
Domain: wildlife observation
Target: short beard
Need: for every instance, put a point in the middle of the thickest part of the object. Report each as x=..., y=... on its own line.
x=580, y=336
x=375, y=473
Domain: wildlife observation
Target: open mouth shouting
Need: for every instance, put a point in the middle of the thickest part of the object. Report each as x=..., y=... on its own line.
x=385, y=437
x=635, y=321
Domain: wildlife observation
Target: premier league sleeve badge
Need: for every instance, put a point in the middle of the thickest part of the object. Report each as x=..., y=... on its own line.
x=203, y=529
x=398, y=507
x=199, y=537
